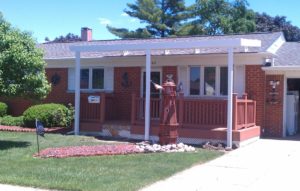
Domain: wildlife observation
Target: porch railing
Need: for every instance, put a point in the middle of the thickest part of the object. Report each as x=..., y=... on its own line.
x=200, y=113
x=98, y=112
x=244, y=112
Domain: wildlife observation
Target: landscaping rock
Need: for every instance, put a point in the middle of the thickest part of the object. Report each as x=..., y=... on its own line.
x=148, y=148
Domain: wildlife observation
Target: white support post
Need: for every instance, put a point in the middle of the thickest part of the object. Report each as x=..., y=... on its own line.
x=77, y=94
x=147, y=102
x=229, y=102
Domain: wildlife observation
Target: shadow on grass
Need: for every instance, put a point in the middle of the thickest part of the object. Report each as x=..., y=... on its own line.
x=5, y=145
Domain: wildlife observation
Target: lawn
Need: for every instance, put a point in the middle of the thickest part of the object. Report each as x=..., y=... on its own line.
x=123, y=172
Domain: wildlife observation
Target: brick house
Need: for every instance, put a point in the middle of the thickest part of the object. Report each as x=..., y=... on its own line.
x=261, y=78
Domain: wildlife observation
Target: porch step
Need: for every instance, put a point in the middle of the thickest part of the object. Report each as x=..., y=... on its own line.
x=116, y=129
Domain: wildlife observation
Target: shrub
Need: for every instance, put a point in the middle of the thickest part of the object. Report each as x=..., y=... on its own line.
x=12, y=121
x=3, y=109
x=51, y=115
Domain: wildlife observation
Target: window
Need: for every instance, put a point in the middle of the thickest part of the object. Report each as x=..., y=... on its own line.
x=195, y=81
x=84, y=79
x=208, y=81
x=223, y=81
x=92, y=78
x=98, y=79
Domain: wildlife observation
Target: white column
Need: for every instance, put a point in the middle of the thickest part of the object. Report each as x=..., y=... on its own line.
x=147, y=102
x=77, y=94
x=229, y=102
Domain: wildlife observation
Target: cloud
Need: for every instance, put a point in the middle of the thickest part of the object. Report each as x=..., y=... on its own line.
x=124, y=15
x=133, y=20
x=104, y=21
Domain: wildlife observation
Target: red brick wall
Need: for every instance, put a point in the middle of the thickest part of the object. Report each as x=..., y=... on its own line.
x=124, y=92
x=169, y=70
x=274, y=110
x=255, y=88
x=268, y=115
x=58, y=93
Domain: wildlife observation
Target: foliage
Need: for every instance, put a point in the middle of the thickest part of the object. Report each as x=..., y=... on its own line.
x=3, y=109
x=12, y=121
x=22, y=68
x=70, y=37
x=124, y=172
x=51, y=115
x=211, y=17
x=266, y=23
x=162, y=18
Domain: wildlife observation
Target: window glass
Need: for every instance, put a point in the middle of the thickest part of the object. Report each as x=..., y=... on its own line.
x=223, y=81
x=98, y=79
x=210, y=81
x=195, y=81
x=84, y=79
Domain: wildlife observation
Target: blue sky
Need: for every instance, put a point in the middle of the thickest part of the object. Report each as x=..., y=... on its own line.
x=53, y=18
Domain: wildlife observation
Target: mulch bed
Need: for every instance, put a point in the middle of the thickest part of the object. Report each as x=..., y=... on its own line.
x=82, y=151
x=25, y=129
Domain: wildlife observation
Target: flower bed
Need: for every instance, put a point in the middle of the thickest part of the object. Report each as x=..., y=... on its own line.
x=78, y=151
x=120, y=149
x=24, y=129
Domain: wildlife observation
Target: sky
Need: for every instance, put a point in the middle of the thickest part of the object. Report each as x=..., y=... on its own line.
x=52, y=18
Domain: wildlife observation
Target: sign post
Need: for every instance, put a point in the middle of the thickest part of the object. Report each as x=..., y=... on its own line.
x=39, y=131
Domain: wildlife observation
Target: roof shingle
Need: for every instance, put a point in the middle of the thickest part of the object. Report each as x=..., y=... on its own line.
x=62, y=50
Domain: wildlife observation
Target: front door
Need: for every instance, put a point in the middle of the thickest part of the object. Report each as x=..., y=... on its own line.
x=156, y=78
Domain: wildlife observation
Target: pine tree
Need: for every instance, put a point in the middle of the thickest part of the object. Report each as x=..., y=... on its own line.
x=162, y=18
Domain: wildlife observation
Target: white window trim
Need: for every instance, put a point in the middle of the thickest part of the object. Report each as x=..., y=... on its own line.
x=91, y=78
x=217, y=86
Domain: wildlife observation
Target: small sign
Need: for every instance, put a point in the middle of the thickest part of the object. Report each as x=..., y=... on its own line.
x=94, y=99
x=39, y=128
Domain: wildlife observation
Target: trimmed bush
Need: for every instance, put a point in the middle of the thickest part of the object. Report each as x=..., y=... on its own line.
x=3, y=109
x=12, y=121
x=51, y=115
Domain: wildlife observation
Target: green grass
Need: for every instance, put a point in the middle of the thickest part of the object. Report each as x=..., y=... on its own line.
x=124, y=172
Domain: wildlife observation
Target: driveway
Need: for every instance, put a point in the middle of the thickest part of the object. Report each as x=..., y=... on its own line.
x=263, y=165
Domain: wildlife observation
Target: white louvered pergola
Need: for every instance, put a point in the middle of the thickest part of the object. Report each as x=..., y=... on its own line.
x=228, y=44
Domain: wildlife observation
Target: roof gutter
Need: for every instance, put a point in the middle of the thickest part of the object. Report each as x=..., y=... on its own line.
x=281, y=68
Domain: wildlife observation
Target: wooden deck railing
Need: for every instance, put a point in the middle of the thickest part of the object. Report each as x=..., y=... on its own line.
x=138, y=108
x=200, y=113
x=244, y=112
x=96, y=111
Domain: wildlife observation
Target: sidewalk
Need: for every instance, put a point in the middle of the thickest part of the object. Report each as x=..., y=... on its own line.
x=263, y=165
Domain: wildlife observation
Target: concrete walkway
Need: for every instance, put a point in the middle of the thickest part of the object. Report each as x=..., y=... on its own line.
x=263, y=165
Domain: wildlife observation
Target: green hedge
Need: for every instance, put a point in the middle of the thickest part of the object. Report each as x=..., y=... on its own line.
x=51, y=115
x=3, y=109
x=12, y=121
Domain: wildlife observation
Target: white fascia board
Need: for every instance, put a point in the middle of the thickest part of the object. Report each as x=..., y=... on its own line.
x=276, y=44
x=225, y=43
x=250, y=43
x=281, y=68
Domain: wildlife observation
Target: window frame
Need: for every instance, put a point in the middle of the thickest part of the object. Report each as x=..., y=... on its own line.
x=90, y=85
x=202, y=73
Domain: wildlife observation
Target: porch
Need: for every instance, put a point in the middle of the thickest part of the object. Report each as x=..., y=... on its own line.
x=200, y=119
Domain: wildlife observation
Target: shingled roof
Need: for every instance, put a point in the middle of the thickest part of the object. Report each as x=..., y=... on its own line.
x=62, y=50
x=288, y=55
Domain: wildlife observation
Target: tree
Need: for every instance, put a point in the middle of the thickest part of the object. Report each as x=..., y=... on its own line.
x=70, y=37
x=211, y=17
x=162, y=17
x=22, y=68
x=267, y=23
